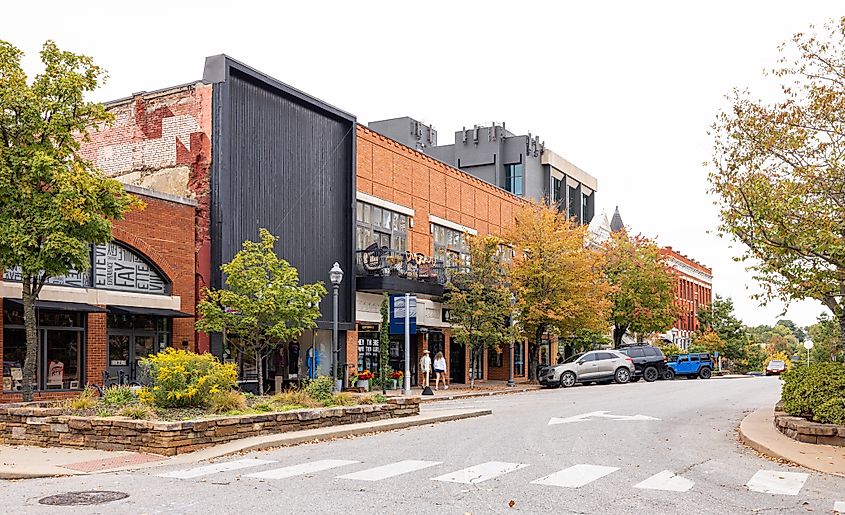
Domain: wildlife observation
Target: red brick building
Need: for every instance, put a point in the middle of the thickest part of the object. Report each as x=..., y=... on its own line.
x=693, y=290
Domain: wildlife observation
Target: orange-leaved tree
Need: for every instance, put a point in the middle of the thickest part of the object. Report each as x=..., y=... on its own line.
x=558, y=281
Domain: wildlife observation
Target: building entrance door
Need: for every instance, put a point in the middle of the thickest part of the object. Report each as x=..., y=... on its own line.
x=457, y=363
x=125, y=349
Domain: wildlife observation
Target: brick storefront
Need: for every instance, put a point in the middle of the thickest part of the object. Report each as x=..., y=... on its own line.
x=693, y=291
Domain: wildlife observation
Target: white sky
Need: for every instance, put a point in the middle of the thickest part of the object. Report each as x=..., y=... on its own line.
x=625, y=90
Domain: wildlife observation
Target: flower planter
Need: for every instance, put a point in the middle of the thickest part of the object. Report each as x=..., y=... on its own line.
x=393, y=384
x=365, y=384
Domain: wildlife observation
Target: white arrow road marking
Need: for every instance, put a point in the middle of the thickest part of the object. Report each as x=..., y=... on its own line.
x=303, y=468
x=575, y=476
x=666, y=480
x=391, y=470
x=777, y=482
x=215, y=468
x=839, y=507
x=479, y=473
x=597, y=414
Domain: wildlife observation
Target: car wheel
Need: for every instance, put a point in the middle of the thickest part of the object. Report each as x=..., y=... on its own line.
x=650, y=374
x=567, y=379
x=622, y=375
x=705, y=373
x=668, y=374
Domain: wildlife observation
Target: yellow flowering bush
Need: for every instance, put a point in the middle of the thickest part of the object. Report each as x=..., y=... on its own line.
x=184, y=379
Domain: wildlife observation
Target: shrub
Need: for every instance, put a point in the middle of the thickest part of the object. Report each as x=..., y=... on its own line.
x=373, y=399
x=86, y=400
x=118, y=395
x=320, y=389
x=185, y=379
x=341, y=399
x=225, y=401
x=816, y=392
x=137, y=411
x=297, y=397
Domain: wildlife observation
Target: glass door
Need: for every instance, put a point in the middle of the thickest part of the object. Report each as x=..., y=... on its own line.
x=118, y=356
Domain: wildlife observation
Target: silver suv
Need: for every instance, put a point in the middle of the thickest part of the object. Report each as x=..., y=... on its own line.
x=597, y=365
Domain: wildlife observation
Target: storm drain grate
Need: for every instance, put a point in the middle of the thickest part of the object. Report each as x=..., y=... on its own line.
x=82, y=498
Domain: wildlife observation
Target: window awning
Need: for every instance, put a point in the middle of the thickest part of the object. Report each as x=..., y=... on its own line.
x=53, y=305
x=158, y=312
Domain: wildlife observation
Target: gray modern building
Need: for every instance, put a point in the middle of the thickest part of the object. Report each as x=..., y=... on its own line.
x=520, y=164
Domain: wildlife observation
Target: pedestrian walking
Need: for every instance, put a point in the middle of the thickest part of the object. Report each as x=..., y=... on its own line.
x=425, y=367
x=440, y=371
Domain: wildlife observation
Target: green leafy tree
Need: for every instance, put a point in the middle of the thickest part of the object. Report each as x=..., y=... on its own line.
x=708, y=341
x=643, y=286
x=384, y=342
x=719, y=318
x=825, y=336
x=53, y=203
x=263, y=303
x=796, y=331
x=479, y=300
x=559, y=283
x=777, y=174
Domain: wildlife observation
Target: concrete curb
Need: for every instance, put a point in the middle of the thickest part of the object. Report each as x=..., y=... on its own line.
x=758, y=432
x=471, y=395
x=264, y=442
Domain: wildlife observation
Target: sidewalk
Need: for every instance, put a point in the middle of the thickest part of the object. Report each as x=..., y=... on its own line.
x=463, y=391
x=21, y=462
x=757, y=431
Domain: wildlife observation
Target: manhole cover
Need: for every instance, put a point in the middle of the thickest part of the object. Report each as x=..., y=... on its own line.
x=82, y=498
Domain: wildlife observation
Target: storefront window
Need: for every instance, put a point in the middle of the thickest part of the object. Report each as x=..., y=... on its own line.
x=495, y=357
x=59, y=361
x=368, y=351
x=519, y=359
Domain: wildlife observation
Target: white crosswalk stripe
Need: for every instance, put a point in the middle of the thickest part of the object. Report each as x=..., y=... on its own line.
x=303, y=468
x=839, y=507
x=390, y=470
x=575, y=476
x=666, y=480
x=480, y=473
x=777, y=482
x=214, y=468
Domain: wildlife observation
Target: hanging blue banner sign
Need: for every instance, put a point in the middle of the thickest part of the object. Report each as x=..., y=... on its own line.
x=397, y=314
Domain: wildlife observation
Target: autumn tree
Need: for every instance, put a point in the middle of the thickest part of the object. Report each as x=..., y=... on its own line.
x=708, y=341
x=777, y=173
x=263, y=303
x=643, y=286
x=53, y=203
x=559, y=283
x=479, y=300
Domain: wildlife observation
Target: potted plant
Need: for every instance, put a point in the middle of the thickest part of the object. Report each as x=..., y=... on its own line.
x=363, y=379
x=395, y=377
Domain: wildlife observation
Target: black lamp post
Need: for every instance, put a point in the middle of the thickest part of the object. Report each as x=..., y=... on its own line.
x=510, y=346
x=335, y=276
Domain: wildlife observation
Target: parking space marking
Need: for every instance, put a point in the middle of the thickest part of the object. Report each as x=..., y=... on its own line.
x=575, y=476
x=666, y=480
x=777, y=482
x=391, y=470
x=303, y=468
x=480, y=473
x=214, y=468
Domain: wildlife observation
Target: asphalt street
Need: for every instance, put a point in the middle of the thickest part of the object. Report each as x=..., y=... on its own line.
x=664, y=447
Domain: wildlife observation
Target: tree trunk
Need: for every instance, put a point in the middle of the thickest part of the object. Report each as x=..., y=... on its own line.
x=259, y=369
x=618, y=333
x=841, y=343
x=534, y=354
x=30, y=323
x=472, y=356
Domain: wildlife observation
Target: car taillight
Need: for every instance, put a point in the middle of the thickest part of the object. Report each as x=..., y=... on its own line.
x=629, y=359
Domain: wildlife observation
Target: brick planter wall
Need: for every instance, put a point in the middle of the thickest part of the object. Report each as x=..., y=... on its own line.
x=803, y=430
x=47, y=427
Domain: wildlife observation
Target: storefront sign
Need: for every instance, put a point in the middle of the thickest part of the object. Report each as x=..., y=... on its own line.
x=397, y=314
x=367, y=328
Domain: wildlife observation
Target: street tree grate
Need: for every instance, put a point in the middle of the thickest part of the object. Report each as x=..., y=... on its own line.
x=82, y=498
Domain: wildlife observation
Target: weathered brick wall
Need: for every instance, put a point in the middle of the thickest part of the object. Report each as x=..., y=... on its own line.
x=162, y=141
x=47, y=427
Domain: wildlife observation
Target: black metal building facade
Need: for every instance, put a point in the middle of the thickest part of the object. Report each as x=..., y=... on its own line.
x=285, y=161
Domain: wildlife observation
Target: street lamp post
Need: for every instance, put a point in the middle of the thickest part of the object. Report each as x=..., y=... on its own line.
x=808, y=344
x=510, y=346
x=335, y=276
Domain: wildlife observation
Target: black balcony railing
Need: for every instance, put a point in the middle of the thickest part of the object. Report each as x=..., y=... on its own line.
x=384, y=262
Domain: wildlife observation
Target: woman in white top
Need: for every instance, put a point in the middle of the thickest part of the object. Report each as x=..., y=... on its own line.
x=440, y=371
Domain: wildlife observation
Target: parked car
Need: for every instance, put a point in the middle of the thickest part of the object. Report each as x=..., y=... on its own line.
x=602, y=365
x=692, y=365
x=649, y=362
x=775, y=366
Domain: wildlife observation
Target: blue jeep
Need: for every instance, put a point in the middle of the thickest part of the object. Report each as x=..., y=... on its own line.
x=691, y=365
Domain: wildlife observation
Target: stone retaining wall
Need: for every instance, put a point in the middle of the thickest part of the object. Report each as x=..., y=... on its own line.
x=46, y=427
x=807, y=431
